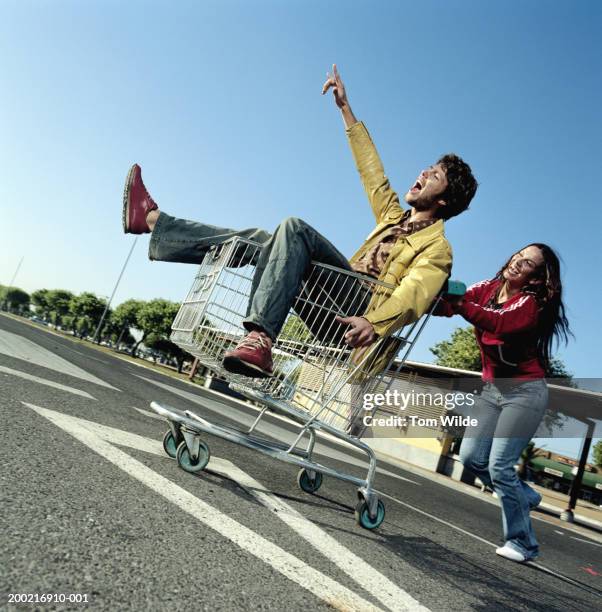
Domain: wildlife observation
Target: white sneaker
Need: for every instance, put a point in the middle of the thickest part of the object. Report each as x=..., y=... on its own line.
x=509, y=552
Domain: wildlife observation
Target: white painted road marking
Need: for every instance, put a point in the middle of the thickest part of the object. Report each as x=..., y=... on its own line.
x=43, y=381
x=483, y=540
x=586, y=541
x=439, y=520
x=388, y=593
x=16, y=346
x=151, y=415
x=367, y=577
x=95, y=436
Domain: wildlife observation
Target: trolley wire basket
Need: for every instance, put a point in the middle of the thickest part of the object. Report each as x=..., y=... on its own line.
x=318, y=382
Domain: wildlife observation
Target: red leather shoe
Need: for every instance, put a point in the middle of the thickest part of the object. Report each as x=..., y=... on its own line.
x=252, y=357
x=137, y=203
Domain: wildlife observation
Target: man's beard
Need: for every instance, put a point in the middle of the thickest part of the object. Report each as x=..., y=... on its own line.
x=422, y=204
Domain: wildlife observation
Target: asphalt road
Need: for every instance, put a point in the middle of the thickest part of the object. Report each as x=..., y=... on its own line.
x=91, y=505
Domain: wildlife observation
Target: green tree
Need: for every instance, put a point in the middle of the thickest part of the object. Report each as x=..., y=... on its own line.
x=39, y=299
x=155, y=320
x=295, y=329
x=107, y=331
x=597, y=452
x=59, y=302
x=86, y=310
x=169, y=349
x=460, y=351
x=107, y=325
x=125, y=316
x=560, y=375
x=155, y=317
x=16, y=299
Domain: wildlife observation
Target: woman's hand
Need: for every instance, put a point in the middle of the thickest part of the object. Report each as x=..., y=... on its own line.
x=455, y=302
x=335, y=83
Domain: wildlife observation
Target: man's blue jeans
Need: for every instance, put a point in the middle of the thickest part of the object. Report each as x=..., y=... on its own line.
x=282, y=265
x=508, y=416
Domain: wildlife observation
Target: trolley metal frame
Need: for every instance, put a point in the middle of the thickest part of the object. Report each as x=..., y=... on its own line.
x=316, y=383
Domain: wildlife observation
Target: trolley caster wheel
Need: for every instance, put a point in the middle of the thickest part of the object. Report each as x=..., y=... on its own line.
x=187, y=463
x=306, y=483
x=170, y=446
x=362, y=516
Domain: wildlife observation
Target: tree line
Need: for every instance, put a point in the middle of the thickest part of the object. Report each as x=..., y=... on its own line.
x=81, y=315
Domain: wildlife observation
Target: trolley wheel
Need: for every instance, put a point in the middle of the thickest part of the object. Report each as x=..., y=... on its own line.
x=170, y=445
x=362, y=516
x=186, y=462
x=306, y=484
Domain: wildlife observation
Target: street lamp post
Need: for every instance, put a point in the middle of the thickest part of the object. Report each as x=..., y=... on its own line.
x=104, y=314
x=12, y=280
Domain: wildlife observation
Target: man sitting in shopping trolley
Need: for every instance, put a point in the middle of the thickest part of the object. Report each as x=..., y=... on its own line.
x=407, y=252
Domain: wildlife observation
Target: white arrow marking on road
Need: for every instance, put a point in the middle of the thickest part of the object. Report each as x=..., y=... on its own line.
x=335, y=594
x=16, y=346
x=43, y=381
x=388, y=593
x=586, y=541
x=247, y=418
x=151, y=415
x=365, y=575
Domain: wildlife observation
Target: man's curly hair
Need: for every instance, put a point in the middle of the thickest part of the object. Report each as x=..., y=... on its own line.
x=461, y=186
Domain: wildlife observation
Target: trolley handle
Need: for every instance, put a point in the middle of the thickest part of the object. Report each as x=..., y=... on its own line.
x=454, y=288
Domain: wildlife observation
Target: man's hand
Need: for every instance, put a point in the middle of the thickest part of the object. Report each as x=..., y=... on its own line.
x=338, y=89
x=361, y=332
x=340, y=96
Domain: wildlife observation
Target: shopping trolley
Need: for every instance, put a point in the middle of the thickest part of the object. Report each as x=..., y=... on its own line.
x=318, y=381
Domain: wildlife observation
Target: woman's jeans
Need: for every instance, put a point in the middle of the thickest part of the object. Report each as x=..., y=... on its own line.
x=282, y=265
x=508, y=416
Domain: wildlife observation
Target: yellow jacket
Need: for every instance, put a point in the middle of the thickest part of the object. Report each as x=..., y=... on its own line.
x=417, y=266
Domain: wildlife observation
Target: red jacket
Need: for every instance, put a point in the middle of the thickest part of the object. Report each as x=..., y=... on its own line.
x=507, y=333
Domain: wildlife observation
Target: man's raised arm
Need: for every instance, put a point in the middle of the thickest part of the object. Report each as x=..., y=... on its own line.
x=335, y=83
x=383, y=200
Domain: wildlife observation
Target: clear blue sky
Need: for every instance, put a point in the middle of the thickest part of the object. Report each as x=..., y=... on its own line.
x=220, y=103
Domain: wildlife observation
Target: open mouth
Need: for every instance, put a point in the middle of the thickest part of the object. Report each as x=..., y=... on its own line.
x=417, y=187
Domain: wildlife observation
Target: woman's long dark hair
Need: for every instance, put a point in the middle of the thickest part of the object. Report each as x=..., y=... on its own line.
x=553, y=324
